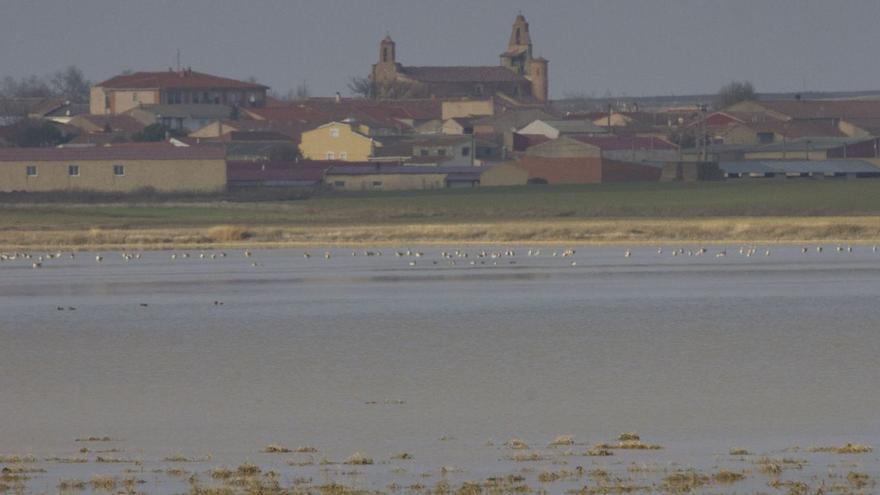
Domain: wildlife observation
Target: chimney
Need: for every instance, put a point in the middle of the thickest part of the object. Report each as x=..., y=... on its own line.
x=338, y=97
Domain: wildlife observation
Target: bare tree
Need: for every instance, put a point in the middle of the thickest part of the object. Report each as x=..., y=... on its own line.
x=735, y=92
x=71, y=84
x=27, y=87
x=362, y=86
x=302, y=91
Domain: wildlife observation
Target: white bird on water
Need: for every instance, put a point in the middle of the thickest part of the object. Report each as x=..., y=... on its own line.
x=627, y=254
x=99, y=258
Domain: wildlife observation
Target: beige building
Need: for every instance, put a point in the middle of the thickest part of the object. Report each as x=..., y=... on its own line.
x=398, y=178
x=337, y=141
x=124, y=92
x=120, y=168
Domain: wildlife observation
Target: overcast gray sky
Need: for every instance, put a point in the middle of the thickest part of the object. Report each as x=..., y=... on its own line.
x=630, y=47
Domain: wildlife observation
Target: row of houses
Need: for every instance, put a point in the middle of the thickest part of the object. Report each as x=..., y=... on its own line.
x=486, y=139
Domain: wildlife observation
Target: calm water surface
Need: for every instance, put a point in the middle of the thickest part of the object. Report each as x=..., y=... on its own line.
x=371, y=354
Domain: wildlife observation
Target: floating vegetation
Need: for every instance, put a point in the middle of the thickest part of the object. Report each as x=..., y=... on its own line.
x=725, y=476
x=859, y=480
x=516, y=443
x=562, y=440
x=306, y=449
x=598, y=451
x=94, y=439
x=177, y=472
x=222, y=473
x=17, y=459
x=739, y=452
x=183, y=458
x=104, y=483
x=563, y=474
x=771, y=466
x=115, y=460
x=71, y=484
x=527, y=457
x=248, y=469
x=849, y=448
x=793, y=487
x=358, y=459
x=21, y=470
x=275, y=449
x=67, y=460
x=628, y=437
x=685, y=481
x=402, y=456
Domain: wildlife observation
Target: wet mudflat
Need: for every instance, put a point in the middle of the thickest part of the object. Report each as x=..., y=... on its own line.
x=442, y=369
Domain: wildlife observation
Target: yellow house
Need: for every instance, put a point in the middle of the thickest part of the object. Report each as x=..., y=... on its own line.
x=342, y=141
x=124, y=168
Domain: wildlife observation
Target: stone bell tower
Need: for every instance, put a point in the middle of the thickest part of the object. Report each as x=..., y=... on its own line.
x=518, y=58
x=385, y=70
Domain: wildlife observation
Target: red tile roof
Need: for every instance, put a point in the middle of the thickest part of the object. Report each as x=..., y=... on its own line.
x=609, y=143
x=824, y=109
x=303, y=170
x=122, y=123
x=176, y=79
x=462, y=74
x=123, y=151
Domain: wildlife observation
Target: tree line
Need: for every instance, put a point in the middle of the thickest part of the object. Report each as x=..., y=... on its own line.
x=69, y=83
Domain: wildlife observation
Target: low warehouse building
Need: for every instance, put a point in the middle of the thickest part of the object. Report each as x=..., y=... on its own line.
x=813, y=169
x=123, y=168
x=572, y=170
x=399, y=177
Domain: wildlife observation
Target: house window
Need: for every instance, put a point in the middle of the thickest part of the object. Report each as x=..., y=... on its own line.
x=334, y=132
x=343, y=155
x=31, y=170
x=339, y=183
x=441, y=152
x=118, y=170
x=134, y=96
x=765, y=137
x=73, y=170
x=330, y=155
x=377, y=183
x=423, y=152
x=385, y=54
x=466, y=151
x=478, y=90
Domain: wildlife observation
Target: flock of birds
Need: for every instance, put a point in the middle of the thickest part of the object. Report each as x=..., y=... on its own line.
x=454, y=257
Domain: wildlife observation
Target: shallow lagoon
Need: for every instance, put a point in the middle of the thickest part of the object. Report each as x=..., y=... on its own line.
x=698, y=353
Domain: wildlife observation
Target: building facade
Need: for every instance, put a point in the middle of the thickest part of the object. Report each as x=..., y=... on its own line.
x=127, y=168
x=519, y=75
x=127, y=91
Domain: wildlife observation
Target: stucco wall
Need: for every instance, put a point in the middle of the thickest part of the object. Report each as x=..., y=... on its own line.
x=125, y=100
x=389, y=182
x=317, y=142
x=505, y=174
x=467, y=108
x=96, y=101
x=162, y=175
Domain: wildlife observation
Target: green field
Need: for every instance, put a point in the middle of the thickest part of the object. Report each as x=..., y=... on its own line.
x=766, y=210
x=665, y=200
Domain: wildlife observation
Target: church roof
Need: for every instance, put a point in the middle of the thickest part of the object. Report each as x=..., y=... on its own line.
x=478, y=74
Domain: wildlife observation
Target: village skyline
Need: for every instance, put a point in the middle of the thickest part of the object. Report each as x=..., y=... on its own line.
x=596, y=49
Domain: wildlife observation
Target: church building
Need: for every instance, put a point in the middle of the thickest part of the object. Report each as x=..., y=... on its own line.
x=519, y=75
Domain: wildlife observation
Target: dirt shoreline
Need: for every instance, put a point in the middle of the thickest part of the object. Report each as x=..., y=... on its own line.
x=633, y=231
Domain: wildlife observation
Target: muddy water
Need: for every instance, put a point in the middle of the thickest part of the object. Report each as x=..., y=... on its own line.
x=383, y=354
